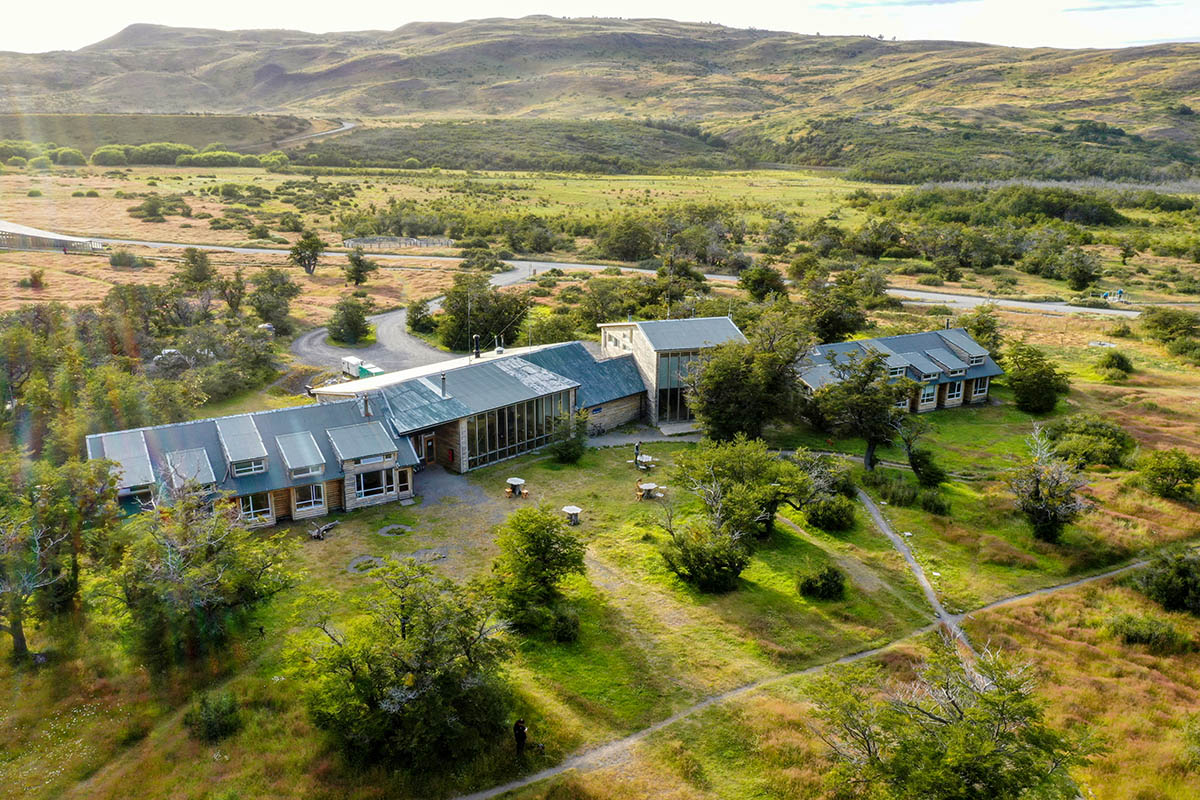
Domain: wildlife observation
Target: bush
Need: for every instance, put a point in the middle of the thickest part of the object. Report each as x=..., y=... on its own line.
x=934, y=502
x=826, y=584
x=1173, y=581
x=124, y=258
x=835, y=513
x=16, y=161
x=36, y=280
x=34, y=193
x=1169, y=473
x=569, y=442
x=213, y=717
x=91, y=193
x=928, y=473
x=1036, y=383
x=709, y=559
x=1169, y=324
x=1120, y=331
x=349, y=323
x=420, y=320
x=1161, y=637
x=564, y=627
x=41, y=162
x=930, y=280
x=1083, y=439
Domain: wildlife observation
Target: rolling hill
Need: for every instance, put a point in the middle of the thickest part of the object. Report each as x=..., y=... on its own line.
x=782, y=96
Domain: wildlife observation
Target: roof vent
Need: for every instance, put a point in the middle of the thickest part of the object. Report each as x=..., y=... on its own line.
x=443, y=384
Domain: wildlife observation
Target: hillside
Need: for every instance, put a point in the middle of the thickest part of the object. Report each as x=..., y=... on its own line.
x=765, y=89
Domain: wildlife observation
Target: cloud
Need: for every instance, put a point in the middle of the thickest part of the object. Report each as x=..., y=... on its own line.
x=843, y=5
x=1122, y=5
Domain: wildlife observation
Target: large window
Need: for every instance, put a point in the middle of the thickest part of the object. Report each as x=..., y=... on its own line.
x=515, y=429
x=928, y=393
x=981, y=387
x=255, y=506
x=672, y=383
x=309, y=497
x=252, y=467
x=373, y=484
x=954, y=391
x=402, y=480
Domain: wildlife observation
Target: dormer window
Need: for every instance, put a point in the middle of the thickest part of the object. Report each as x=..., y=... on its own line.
x=895, y=372
x=252, y=467
x=306, y=472
x=929, y=376
x=369, y=460
x=954, y=373
x=976, y=360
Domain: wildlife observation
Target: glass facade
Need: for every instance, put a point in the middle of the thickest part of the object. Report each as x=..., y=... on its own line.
x=511, y=430
x=672, y=383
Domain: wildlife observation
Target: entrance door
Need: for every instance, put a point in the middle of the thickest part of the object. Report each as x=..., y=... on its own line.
x=427, y=445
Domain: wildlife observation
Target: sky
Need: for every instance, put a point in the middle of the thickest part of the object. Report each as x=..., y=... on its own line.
x=29, y=27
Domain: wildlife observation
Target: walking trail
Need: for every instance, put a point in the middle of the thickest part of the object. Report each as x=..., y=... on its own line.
x=618, y=748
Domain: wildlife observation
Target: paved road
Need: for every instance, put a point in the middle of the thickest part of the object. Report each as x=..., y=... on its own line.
x=394, y=347
x=971, y=301
x=343, y=127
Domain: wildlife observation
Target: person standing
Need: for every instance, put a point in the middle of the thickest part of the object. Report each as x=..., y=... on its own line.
x=520, y=733
x=637, y=454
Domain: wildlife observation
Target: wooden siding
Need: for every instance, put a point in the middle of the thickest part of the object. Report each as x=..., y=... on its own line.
x=281, y=503
x=333, y=495
x=451, y=438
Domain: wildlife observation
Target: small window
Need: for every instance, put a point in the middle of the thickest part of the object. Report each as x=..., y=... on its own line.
x=976, y=360
x=902, y=402
x=309, y=497
x=305, y=472
x=981, y=387
x=929, y=376
x=369, y=460
x=255, y=506
x=928, y=394
x=252, y=467
x=954, y=373
x=895, y=372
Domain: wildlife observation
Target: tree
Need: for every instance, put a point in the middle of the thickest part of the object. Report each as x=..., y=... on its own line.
x=1128, y=249
x=191, y=574
x=984, y=327
x=568, y=442
x=761, y=281
x=739, y=387
x=196, y=271
x=911, y=428
x=537, y=553
x=358, y=267
x=834, y=312
x=1169, y=324
x=26, y=567
x=472, y=306
x=626, y=238
x=413, y=678
x=1079, y=268
x=307, y=252
x=272, y=297
x=781, y=232
x=1036, y=383
x=1046, y=489
x=420, y=320
x=349, y=323
x=1170, y=473
x=232, y=289
x=954, y=732
x=1173, y=581
x=861, y=401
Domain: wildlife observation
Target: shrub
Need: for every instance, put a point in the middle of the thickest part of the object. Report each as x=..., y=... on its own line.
x=939, y=311
x=825, y=584
x=1083, y=439
x=1161, y=637
x=569, y=442
x=77, y=193
x=1036, y=383
x=934, y=502
x=36, y=280
x=928, y=473
x=34, y=193
x=1173, y=581
x=124, y=258
x=1169, y=324
x=17, y=161
x=564, y=628
x=1169, y=473
x=91, y=193
x=1120, y=331
x=835, y=513
x=213, y=717
x=930, y=280
x=707, y=558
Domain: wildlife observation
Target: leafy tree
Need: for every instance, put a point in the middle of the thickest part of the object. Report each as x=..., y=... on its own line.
x=1036, y=383
x=307, y=252
x=982, y=324
x=832, y=513
x=1128, y=249
x=358, y=267
x=704, y=555
x=191, y=573
x=1169, y=473
x=834, y=312
x=955, y=732
x=232, y=289
x=761, y=281
x=1046, y=489
x=196, y=271
x=861, y=401
x=472, y=306
x=827, y=583
x=420, y=320
x=739, y=387
x=26, y=567
x=626, y=239
x=1079, y=268
x=349, y=323
x=1170, y=324
x=781, y=232
x=568, y=443
x=482, y=259
x=1172, y=580
x=272, y=297
x=413, y=678
x=537, y=553
x=911, y=428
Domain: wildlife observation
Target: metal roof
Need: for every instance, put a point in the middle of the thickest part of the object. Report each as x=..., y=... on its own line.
x=361, y=440
x=946, y=359
x=922, y=364
x=600, y=381
x=128, y=450
x=240, y=439
x=25, y=230
x=299, y=450
x=191, y=465
x=689, y=334
x=924, y=353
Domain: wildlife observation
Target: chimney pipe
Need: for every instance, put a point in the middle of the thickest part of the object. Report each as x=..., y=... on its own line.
x=366, y=405
x=476, y=339
x=443, y=384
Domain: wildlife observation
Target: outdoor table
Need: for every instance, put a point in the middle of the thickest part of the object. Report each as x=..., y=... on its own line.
x=643, y=461
x=648, y=489
x=515, y=484
x=572, y=513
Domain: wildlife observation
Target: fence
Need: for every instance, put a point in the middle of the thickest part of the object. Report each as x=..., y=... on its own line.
x=392, y=242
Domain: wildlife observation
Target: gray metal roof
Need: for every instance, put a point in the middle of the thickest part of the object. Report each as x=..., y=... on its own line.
x=600, y=381
x=128, y=450
x=299, y=450
x=240, y=439
x=190, y=465
x=361, y=440
x=690, y=334
x=924, y=353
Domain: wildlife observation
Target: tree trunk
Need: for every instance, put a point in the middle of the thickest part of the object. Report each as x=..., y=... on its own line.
x=16, y=627
x=869, y=457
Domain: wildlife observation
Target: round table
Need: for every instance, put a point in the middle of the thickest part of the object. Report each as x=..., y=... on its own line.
x=515, y=484
x=572, y=513
x=648, y=489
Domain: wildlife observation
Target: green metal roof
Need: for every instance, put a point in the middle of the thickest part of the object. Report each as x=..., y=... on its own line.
x=299, y=450
x=190, y=465
x=240, y=438
x=599, y=381
x=690, y=334
x=360, y=441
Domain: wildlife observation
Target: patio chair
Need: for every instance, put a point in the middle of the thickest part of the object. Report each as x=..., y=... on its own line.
x=508, y=491
x=524, y=493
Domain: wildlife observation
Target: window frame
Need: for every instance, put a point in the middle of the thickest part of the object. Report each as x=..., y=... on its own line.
x=904, y=402
x=257, y=466
x=954, y=391
x=985, y=381
x=312, y=503
x=309, y=471
x=931, y=389
x=896, y=372
x=386, y=480
x=929, y=376
x=977, y=360
x=362, y=462
x=254, y=515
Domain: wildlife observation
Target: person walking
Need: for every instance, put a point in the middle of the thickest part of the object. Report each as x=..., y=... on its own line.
x=637, y=454
x=520, y=733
